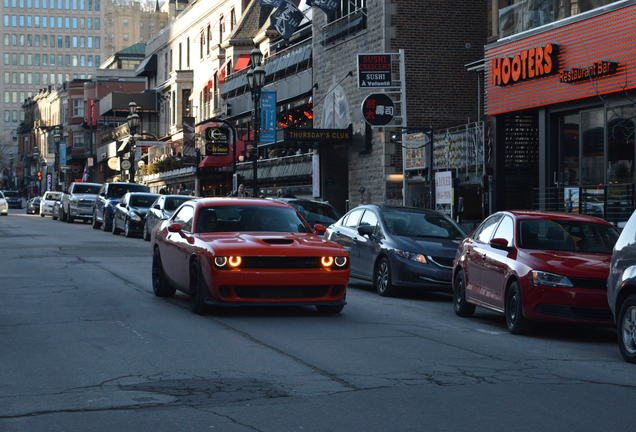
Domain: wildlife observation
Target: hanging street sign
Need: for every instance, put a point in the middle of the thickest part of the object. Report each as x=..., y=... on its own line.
x=125, y=165
x=378, y=109
x=374, y=70
x=217, y=141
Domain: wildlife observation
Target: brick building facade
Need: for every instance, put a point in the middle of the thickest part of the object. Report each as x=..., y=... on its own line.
x=439, y=38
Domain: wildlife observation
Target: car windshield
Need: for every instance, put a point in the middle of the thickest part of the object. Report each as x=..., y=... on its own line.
x=10, y=194
x=86, y=189
x=173, y=202
x=567, y=235
x=316, y=212
x=119, y=190
x=53, y=196
x=420, y=224
x=142, y=200
x=235, y=218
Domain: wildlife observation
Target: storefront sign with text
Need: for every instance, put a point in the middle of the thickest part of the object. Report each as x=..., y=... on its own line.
x=595, y=70
x=528, y=64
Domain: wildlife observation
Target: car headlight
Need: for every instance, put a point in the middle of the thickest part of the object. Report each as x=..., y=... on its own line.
x=135, y=217
x=224, y=262
x=550, y=279
x=413, y=256
x=341, y=261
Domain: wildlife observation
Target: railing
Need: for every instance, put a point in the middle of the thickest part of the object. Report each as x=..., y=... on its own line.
x=170, y=174
x=613, y=202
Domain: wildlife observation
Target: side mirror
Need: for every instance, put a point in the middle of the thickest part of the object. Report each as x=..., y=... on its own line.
x=366, y=230
x=175, y=228
x=500, y=243
x=156, y=206
x=320, y=229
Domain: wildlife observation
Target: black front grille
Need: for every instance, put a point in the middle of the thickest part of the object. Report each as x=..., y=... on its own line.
x=589, y=283
x=281, y=263
x=443, y=261
x=576, y=313
x=280, y=292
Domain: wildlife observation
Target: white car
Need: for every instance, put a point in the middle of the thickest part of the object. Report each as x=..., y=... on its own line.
x=4, y=206
x=48, y=201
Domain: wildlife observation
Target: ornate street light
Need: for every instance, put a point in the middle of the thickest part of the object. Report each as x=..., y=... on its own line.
x=256, y=81
x=133, y=121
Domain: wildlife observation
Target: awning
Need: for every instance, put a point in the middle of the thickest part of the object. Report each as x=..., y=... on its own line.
x=214, y=161
x=147, y=67
x=242, y=62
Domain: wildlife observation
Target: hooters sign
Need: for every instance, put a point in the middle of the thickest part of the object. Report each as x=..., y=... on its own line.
x=527, y=64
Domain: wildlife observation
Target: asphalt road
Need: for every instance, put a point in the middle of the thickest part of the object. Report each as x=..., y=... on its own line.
x=86, y=346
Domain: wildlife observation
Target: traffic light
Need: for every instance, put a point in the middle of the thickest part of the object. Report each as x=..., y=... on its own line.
x=39, y=175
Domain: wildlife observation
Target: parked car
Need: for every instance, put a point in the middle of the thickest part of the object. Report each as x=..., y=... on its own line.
x=79, y=201
x=33, y=205
x=130, y=213
x=161, y=210
x=399, y=247
x=621, y=289
x=14, y=200
x=109, y=196
x=4, y=205
x=47, y=203
x=531, y=265
x=247, y=252
x=316, y=212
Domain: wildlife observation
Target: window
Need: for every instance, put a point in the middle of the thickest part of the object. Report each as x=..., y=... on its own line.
x=6, y=20
x=29, y=21
x=97, y=23
x=74, y=45
x=78, y=141
x=74, y=22
x=82, y=60
x=97, y=42
x=180, y=52
x=188, y=53
x=347, y=7
x=90, y=61
x=67, y=60
x=89, y=23
x=232, y=19
x=506, y=230
x=369, y=219
x=184, y=217
x=125, y=37
x=352, y=220
x=485, y=231
x=82, y=41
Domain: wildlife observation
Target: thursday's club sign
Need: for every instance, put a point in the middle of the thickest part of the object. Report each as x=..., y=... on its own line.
x=287, y=19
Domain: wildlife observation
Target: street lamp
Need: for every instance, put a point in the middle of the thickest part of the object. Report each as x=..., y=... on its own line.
x=255, y=81
x=57, y=137
x=133, y=121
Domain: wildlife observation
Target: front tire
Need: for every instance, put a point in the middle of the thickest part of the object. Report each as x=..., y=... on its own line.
x=160, y=284
x=114, y=228
x=383, y=279
x=198, y=290
x=626, y=329
x=461, y=306
x=95, y=223
x=146, y=233
x=127, y=230
x=515, y=321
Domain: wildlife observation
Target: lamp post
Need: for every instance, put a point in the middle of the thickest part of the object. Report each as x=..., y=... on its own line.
x=133, y=123
x=57, y=137
x=255, y=81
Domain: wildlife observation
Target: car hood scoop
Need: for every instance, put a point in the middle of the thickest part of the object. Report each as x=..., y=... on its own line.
x=283, y=241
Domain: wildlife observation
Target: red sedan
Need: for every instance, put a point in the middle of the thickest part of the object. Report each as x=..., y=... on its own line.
x=540, y=266
x=247, y=252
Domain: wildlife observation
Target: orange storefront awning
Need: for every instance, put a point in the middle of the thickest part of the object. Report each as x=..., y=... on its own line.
x=242, y=62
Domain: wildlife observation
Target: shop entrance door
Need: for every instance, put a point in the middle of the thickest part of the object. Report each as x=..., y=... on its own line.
x=582, y=162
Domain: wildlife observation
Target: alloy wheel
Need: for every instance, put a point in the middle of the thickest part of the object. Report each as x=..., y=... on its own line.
x=383, y=277
x=629, y=330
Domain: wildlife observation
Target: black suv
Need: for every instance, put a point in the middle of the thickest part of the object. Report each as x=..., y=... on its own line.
x=621, y=289
x=109, y=196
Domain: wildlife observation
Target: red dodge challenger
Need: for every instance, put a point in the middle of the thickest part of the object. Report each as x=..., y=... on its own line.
x=227, y=251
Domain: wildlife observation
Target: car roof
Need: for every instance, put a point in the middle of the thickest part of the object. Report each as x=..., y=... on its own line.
x=539, y=214
x=204, y=202
x=143, y=193
x=179, y=196
x=87, y=183
x=391, y=207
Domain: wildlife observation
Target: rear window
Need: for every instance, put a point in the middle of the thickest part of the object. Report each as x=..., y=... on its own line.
x=567, y=236
x=142, y=200
x=119, y=190
x=10, y=194
x=86, y=189
x=173, y=203
x=316, y=212
x=53, y=196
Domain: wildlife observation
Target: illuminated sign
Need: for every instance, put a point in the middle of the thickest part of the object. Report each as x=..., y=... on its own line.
x=528, y=64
